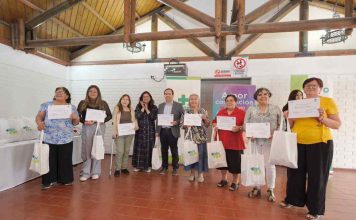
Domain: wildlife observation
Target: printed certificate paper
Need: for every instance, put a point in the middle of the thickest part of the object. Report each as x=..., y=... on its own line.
x=59, y=111
x=258, y=130
x=192, y=119
x=95, y=115
x=304, y=108
x=126, y=129
x=165, y=119
x=225, y=122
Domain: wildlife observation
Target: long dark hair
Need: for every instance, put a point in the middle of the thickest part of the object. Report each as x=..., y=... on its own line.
x=66, y=91
x=150, y=104
x=98, y=101
x=119, y=105
x=292, y=96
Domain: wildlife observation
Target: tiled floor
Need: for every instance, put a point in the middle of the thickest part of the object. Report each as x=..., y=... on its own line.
x=152, y=196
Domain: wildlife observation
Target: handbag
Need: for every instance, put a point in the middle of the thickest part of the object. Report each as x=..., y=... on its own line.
x=40, y=157
x=253, y=169
x=190, y=150
x=98, y=150
x=216, y=153
x=156, y=156
x=284, y=150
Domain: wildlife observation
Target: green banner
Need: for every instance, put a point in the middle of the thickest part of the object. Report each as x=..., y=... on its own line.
x=296, y=81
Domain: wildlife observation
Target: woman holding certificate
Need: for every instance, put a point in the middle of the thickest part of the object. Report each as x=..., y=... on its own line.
x=92, y=110
x=260, y=123
x=146, y=115
x=315, y=152
x=197, y=126
x=57, y=118
x=228, y=123
x=124, y=126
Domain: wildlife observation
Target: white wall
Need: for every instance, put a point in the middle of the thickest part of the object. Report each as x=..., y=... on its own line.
x=26, y=81
x=115, y=80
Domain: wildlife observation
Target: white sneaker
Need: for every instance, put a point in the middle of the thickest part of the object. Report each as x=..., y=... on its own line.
x=191, y=178
x=200, y=178
x=136, y=170
x=148, y=170
x=82, y=178
x=95, y=177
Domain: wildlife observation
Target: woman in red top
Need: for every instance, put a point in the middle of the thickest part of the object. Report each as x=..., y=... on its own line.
x=233, y=142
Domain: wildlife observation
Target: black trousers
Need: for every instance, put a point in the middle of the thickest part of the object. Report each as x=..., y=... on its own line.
x=307, y=184
x=60, y=164
x=169, y=141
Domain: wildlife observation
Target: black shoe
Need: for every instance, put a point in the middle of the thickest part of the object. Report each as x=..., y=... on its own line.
x=234, y=187
x=222, y=183
x=117, y=173
x=47, y=186
x=163, y=171
x=125, y=171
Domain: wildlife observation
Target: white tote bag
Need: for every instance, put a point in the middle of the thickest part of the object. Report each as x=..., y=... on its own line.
x=40, y=157
x=216, y=153
x=190, y=150
x=253, y=169
x=284, y=150
x=98, y=150
x=156, y=156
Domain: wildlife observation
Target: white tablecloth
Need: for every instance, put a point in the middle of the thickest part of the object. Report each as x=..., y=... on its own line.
x=15, y=160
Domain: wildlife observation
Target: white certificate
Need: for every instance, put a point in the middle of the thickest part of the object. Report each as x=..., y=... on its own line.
x=95, y=115
x=226, y=122
x=192, y=119
x=165, y=119
x=304, y=108
x=126, y=129
x=59, y=111
x=258, y=130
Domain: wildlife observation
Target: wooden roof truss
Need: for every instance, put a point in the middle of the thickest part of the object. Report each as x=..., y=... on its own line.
x=23, y=33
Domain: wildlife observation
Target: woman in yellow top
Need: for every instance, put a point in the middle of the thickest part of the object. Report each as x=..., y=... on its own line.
x=315, y=153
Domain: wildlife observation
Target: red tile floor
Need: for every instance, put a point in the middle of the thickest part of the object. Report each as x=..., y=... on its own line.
x=152, y=196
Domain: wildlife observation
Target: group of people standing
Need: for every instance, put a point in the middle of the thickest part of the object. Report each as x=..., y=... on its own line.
x=315, y=145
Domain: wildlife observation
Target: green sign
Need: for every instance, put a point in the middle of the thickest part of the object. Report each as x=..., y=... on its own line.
x=183, y=100
x=296, y=81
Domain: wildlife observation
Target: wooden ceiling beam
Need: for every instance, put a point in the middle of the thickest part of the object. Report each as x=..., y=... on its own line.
x=54, y=19
x=253, y=37
x=127, y=20
x=195, y=41
x=142, y=19
x=222, y=41
x=240, y=19
x=40, y=19
x=191, y=12
x=303, y=35
x=274, y=27
x=154, y=28
x=349, y=7
x=218, y=19
x=233, y=11
x=133, y=16
x=96, y=14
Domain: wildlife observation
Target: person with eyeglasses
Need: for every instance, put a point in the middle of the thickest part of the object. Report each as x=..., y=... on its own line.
x=58, y=134
x=264, y=112
x=315, y=153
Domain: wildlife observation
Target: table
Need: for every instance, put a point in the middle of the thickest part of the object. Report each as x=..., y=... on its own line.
x=15, y=160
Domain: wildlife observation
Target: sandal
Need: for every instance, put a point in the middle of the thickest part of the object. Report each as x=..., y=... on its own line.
x=222, y=183
x=234, y=187
x=270, y=196
x=254, y=193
